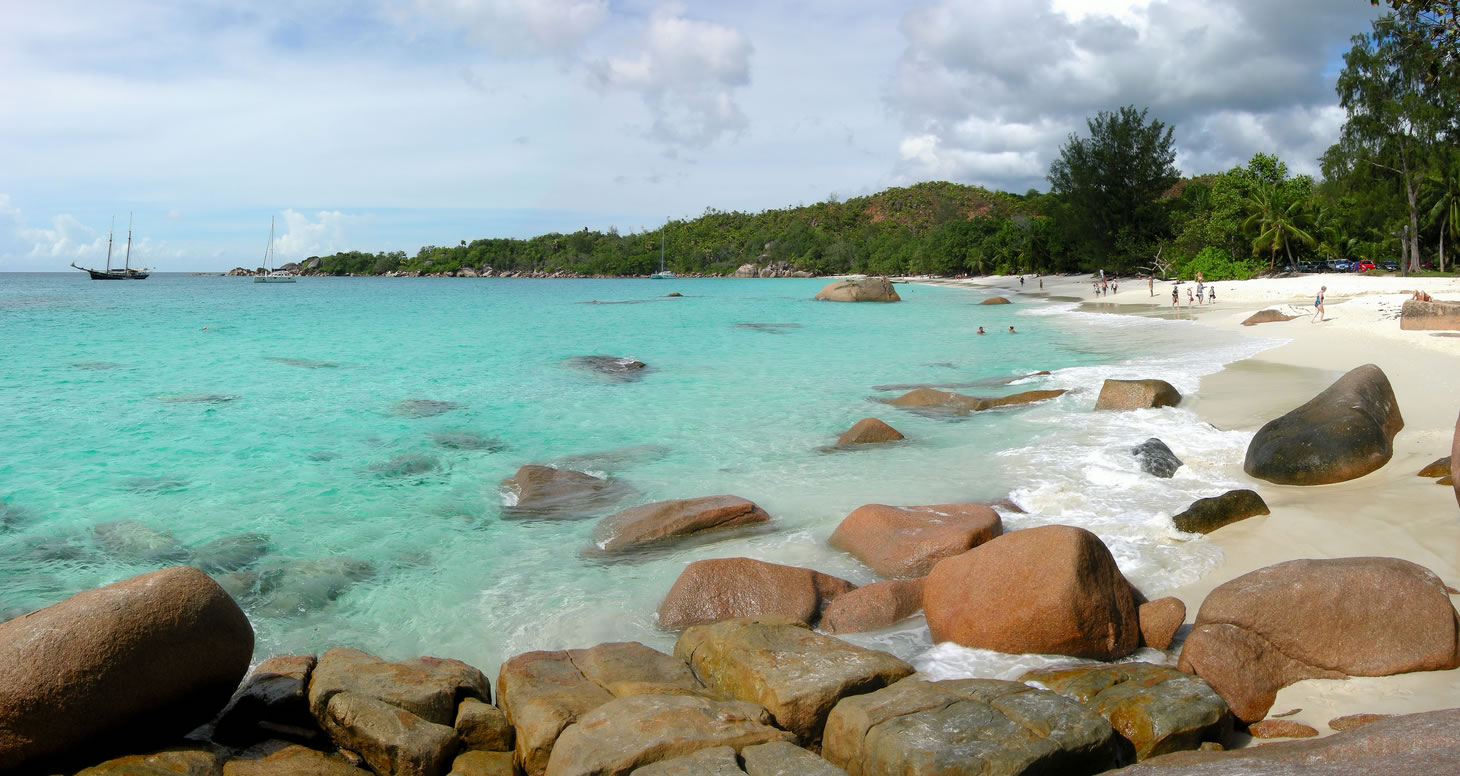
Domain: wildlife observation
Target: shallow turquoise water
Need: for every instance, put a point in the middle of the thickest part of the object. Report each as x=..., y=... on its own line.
x=143, y=420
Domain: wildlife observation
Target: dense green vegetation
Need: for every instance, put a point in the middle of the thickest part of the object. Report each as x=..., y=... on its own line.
x=1390, y=191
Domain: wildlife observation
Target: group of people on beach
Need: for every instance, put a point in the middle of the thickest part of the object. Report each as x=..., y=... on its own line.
x=1202, y=294
x=1103, y=286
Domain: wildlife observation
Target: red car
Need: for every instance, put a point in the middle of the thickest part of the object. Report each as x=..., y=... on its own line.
x=1364, y=266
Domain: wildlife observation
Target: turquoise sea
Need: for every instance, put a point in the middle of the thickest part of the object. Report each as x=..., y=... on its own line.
x=274, y=434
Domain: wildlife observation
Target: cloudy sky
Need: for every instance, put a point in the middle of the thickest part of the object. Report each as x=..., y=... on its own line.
x=392, y=124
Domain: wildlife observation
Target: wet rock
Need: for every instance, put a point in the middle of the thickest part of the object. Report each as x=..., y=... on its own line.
x=613, y=460
x=1342, y=433
x=279, y=758
x=423, y=408
x=13, y=516
x=869, y=431
x=1426, y=316
x=135, y=663
x=1136, y=395
x=134, y=542
x=782, y=759
x=466, y=440
x=1319, y=619
x=863, y=289
x=96, y=366
x=1351, y=721
x=303, y=363
x=476, y=763
x=1413, y=744
x=1156, y=458
x=1267, y=316
x=1440, y=468
x=985, y=726
x=627, y=733
x=406, y=465
x=664, y=521
x=873, y=606
x=231, y=553
x=931, y=400
x=429, y=687
x=186, y=760
x=322, y=455
x=390, y=739
x=616, y=368
x=1156, y=708
x=1208, y=514
x=541, y=693
x=779, y=663
x=995, y=300
x=768, y=328
x=723, y=588
x=1280, y=728
x=545, y=493
x=482, y=726
x=1016, y=399
x=294, y=587
x=1054, y=589
x=196, y=398
x=1160, y=619
x=909, y=541
x=714, y=761
x=272, y=703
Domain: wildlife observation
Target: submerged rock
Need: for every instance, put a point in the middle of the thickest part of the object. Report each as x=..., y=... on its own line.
x=231, y=553
x=1343, y=433
x=196, y=398
x=304, y=363
x=13, y=516
x=291, y=588
x=768, y=328
x=1156, y=458
x=134, y=542
x=466, y=440
x=154, y=484
x=546, y=493
x=406, y=465
x=613, y=460
x=423, y=408
x=616, y=368
x=96, y=366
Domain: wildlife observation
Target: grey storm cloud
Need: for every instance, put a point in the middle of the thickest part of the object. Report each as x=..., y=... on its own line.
x=988, y=91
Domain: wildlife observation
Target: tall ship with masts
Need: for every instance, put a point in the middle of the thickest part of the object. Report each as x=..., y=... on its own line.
x=126, y=272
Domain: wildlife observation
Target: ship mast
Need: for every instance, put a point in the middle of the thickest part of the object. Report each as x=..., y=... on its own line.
x=128, y=266
x=109, y=244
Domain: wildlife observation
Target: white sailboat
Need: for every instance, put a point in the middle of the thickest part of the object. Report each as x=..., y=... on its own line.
x=662, y=274
x=272, y=275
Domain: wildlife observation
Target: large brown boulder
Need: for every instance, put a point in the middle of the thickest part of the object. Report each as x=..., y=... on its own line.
x=869, y=431
x=139, y=661
x=1156, y=708
x=934, y=401
x=1136, y=395
x=483, y=727
x=859, y=290
x=873, y=606
x=626, y=733
x=1342, y=433
x=479, y=763
x=1267, y=316
x=663, y=521
x=995, y=300
x=956, y=726
x=1208, y=514
x=544, y=692
x=1319, y=619
x=795, y=673
x=908, y=541
x=429, y=687
x=714, y=761
x=722, y=588
x=279, y=758
x=1023, y=397
x=545, y=493
x=1410, y=745
x=1421, y=316
x=1054, y=589
x=390, y=739
x=781, y=759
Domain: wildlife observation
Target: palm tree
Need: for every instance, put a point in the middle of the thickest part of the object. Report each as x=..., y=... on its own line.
x=1446, y=208
x=1277, y=221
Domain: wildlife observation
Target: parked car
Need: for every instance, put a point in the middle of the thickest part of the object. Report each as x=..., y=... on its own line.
x=1339, y=265
x=1309, y=266
x=1364, y=265
x=1390, y=265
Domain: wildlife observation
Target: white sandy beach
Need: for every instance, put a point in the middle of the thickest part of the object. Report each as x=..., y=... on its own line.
x=1391, y=512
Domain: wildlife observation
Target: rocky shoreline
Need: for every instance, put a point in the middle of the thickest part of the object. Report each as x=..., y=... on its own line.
x=150, y=675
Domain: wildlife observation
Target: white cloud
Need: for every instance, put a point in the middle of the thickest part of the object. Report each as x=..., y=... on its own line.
x=523, y=26
x=686, y=72
x=303, y=237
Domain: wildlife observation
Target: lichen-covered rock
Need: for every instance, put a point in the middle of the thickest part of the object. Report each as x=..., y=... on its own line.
x=429, y=687
x=390, y=739
x=135, y=663
x=1342, y=433
x=723, y=588
x=664, y=521
x=1054, y=589
x=1156, y=458
x=909, y=541
x=627, y=733
x=1136, y=395
x=1319, y=619
x=1156, y=708
x=1208, y=514
x=983, y=726
x=795, y=673
x=868, y=431
x=873, y=606
x=865, y=289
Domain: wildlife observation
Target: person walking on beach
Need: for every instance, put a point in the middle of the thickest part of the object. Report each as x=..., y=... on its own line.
x=1021, y=280
x=1318, y=314
x=1152, y=283
x=1199, y=289
x=1212, y=295
x=1188, y=299
x=1174, y=296
x=1041, y=284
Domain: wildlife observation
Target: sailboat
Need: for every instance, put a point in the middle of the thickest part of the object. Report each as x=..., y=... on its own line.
x=662, y=274
x=272, y=275
x=126, y=272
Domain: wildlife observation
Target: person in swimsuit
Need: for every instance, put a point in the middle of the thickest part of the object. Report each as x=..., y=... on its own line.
x=1318, y=314
x=1011, y=329
x=980, y=330
x=1175, y=298
x=1212, y=295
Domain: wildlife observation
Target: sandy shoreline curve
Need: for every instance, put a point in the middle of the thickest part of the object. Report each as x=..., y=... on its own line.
x=1391, y=512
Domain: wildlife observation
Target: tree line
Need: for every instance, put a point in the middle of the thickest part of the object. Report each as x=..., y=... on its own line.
x=1390, y=189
